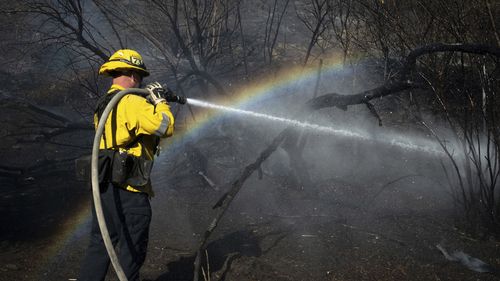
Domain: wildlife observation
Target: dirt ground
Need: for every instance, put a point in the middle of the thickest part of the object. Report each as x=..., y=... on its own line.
x=337, y=231
x=360, y=220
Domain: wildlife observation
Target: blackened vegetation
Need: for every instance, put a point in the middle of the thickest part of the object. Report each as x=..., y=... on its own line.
x=437, y=61
x=221, y=253
x=343, y=101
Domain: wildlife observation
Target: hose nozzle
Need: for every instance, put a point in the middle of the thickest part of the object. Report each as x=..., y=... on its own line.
x=171, y=97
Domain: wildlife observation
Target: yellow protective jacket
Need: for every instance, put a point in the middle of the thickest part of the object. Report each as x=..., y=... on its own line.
x=135, y=117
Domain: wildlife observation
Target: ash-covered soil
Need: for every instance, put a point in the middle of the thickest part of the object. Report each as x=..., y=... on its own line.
x=371, y=213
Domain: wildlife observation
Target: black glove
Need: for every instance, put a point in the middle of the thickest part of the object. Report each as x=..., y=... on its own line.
x=157, y=93
x=170, y=97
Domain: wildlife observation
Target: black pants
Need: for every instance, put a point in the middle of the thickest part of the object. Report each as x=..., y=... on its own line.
x=127, y=215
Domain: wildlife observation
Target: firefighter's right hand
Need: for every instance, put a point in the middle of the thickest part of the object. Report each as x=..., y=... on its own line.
x=156, y=93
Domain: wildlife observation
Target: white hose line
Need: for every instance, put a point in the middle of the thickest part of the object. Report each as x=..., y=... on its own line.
x=95, y=180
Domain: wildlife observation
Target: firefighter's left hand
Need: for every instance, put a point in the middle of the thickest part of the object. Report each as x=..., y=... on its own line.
x=156, y=93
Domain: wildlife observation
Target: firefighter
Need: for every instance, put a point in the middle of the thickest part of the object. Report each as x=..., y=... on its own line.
x=130, y=141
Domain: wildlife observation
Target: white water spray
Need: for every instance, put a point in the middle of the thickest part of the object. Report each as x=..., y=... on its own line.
x=402, y=142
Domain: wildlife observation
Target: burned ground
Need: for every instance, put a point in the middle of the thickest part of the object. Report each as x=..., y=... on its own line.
x=372, y=213
x=344, y=209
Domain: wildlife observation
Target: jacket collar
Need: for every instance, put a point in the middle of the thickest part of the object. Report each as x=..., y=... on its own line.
x=115, y=88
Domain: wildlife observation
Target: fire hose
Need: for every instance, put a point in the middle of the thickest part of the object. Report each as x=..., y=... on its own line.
x=95, y=174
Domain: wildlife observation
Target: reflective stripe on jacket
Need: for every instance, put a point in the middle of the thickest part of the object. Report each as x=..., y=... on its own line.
x=134, y=116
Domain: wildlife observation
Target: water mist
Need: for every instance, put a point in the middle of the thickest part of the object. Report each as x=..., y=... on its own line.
x=422, y=145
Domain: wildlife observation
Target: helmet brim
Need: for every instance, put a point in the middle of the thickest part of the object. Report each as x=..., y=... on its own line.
x=117, y=66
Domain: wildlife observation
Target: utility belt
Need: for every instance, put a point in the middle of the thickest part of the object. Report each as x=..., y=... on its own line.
x=116, y=167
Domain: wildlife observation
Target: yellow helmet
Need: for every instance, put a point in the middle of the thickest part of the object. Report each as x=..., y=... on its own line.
x=123, y=60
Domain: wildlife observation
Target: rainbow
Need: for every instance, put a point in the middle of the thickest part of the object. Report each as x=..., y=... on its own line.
x=252, y=94
x=70, y=231
x=243, y=96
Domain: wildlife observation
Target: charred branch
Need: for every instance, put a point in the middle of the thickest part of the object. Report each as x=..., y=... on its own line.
x=228, y=197
x=272, y=28
x=314, y=20
x=342, y=101
x=206, y=76
x=68, y=23
x=44, y=125
x=17, y=103
x=479, y=49
x=40, y=167
x=67, y=128
x=373, y=111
